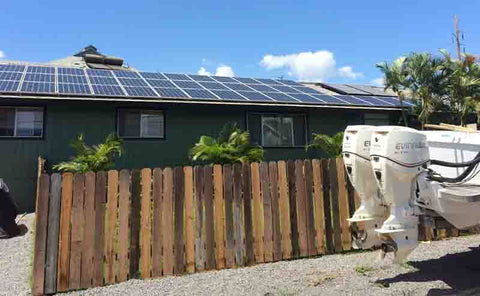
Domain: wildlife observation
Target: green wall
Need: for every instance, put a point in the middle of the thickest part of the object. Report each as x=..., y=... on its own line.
x=184, y=124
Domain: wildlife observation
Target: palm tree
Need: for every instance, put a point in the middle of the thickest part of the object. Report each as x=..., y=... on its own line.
x=395, y=79
x=232, y=145
x=426, y=79
x=463, y=85
x=330, y=145
x=92, y=158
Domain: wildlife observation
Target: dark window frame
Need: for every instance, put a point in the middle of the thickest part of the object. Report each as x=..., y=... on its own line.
x=283, y=114
x=16, y=108
x=164, y=137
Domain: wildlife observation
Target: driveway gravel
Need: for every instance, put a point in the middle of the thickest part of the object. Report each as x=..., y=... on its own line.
x=448, y=267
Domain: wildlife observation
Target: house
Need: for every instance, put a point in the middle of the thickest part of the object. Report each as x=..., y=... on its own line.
x=161, y=115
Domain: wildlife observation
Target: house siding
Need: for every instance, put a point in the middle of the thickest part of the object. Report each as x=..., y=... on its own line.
x=184, y=124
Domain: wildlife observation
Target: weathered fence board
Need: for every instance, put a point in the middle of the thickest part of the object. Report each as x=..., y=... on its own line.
x=108, y=227
x=110, y=232
x=40, y=236
x=52, y=234
x=189, y=220
x=157, y=232
x=229, y=235
x=123, y=227
x=219, y=217
x=89, y=231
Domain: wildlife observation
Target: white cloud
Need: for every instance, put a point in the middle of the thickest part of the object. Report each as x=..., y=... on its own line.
x=347, y=72
x=305, y=66
x=2, y=54
x=224, y=70
x=203, y=71
x=379, y=81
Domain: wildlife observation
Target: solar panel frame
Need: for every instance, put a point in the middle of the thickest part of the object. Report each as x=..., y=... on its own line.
x=174, y=76
x=281, y=97
x=142, y=91
x=305, y=98
x=165, y=92
x=73, y=88
x=200, y=93
x=12, y=68
x=129, y=82
x=37, y=87
x=35, y=77
x=261, y=87
x=238, y=87
x=307, y=90
x=70, y=71
x=255, y=96
x=330, y=99
x=153, y=75
x=268, y=81
x=374, y=101
x=160, y=83
x=9, y=85
x=213, y=85
x=246, y=80
x=229, y=95
x=103, y=80
x=201, y=78
x=352, y=100
x=11, y=76
x=107, y=90
x=99, y=73
x=187, y=84
x=126, y=74
x=224, y=79
x=41, y=70
x=287, y=82
x=285, y=89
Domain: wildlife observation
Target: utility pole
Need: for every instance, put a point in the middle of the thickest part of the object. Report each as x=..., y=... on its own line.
x=457, y=38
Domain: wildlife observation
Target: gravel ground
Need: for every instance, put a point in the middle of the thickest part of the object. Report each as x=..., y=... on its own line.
x=449, y=267
x=15, y=259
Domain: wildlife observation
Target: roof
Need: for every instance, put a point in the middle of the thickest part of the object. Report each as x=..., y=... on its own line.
x=89, y=75
x=357, y=89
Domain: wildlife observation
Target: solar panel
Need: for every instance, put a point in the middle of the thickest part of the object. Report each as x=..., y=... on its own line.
x=376, y=91
x=171, y=93
x=395, y=101
x=132, y=82
x=280, y=97
x=374, y=101
x=201, y=78
x=140, y=91
x=343, y=88
x=330, y=99
x=213, y=85
x=228, y=95
x=151, y=75
x=160, y=83
x=73, y=88
x=11, y=68
x=254, y=96
x=200, y=94
x=307, y=90
x=305, y=98
x=41, y=70
x=352, y=100
x=103, y=80
x=246, y=80
x=288, y=82
x=285, y=89
x=126, y=74
x=76, y=79
x=224, y=79
x=70, y=71
x=10, y=76
x=33, y=77
x=9, y=86
x=177, y=76
x=238, y=86
x=188, y=84
x=109, y=90
x=38, y=87
x=101, y=73
x=268, y=81
x=261, y=87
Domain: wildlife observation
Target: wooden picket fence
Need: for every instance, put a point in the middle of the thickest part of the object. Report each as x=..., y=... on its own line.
x=96, y=229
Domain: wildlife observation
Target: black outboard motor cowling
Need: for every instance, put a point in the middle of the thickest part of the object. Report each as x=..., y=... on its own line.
x=8, y=213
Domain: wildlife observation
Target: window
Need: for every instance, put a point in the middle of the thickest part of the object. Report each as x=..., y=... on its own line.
x=141, y=123
x=21, y=122
x=376, y=119
x=277, y=130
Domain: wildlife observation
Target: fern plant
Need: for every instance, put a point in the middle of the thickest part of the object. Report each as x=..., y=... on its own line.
x=330, y=145
x=232, y=145
x=92, y=158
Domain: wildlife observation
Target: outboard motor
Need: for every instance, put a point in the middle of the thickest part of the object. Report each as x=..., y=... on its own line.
x=372, y=211
x=398, y=155
x=8, y=213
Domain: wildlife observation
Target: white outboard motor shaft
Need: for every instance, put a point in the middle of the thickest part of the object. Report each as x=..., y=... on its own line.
x=372, y=211
x=398, y=155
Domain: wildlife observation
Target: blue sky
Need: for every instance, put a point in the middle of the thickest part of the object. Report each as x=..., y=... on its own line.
x=335, y=41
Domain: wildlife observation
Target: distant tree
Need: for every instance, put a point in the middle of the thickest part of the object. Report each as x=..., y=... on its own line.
x=330, y=145
x=231, y=146
x=92, y=158
x=463, y=84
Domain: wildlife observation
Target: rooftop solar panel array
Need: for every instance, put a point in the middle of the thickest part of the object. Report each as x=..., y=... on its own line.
x=63, y=81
